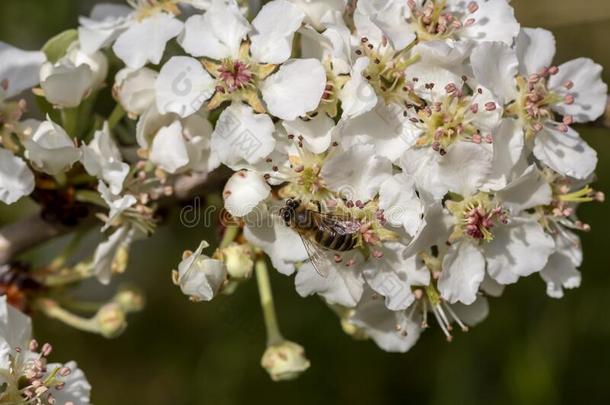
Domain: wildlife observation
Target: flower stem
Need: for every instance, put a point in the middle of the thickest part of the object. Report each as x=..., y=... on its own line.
x=69, y=119
x=53, y=310
x=229, y=236
x=274, y=336
x=116, y=116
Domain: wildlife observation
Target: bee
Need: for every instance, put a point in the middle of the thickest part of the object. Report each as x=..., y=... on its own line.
x=321, y=233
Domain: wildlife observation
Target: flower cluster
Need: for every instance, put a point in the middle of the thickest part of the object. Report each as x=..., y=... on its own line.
x=405, y=160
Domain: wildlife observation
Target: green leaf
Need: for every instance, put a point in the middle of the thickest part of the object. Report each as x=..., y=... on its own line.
x=57, y=46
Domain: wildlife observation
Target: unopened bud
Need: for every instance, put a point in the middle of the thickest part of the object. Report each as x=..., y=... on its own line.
x=111, y=320
x=130, y=299
x=238, y=260
x=285, y=361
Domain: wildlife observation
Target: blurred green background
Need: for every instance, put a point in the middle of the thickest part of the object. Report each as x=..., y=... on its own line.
x=531, y=350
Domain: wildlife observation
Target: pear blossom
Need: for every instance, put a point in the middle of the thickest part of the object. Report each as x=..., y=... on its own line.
x=538, y=94
x=135, y=89
x=199, y=276
x=67, y=82
x=18, y=70
x=50, y=148
x=26, y=375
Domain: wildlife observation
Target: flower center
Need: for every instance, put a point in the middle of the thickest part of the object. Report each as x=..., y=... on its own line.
x=235, y=75
x=450, y=120
x=476, y=217
x=148, y=8
x=434, y=21
x=386, y=71
x=535, y=101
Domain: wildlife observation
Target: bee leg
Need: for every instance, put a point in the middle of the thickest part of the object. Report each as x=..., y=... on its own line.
x=319, y=205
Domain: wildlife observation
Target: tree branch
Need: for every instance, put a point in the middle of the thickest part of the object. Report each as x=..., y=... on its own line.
x=27, y=233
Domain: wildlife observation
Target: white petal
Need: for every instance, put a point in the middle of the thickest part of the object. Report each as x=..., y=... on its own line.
x=495, y=66
x=517, y=250
x=566, y=153
x=16, y=178
x=183, y=86
x=144, y=41
x=217, y=34
x=392, y=276
x=382, y=127
x=242, y=135
x=243, y=192
x=381, y=324
x=319, y=13
x=76, y=388
x=528, y=191
x=18, y=69
x=106, y=253
x=356, y=174
x=343, y=285
x=463, y=272
x=275, y=26
x=15, y=329
x=101, y=158
x=66, y=85
x=168, y=150
x=357, y=96
x=560, y=273
x=589, y=91
x=462, y=170
x=535, y=50
x=316, y=132
x=50, y=149
x=509, y=159
x=201, y=277
x=494, y=21
x=474, y=313
x=295, y=89
x=135, y=89
x=390, y=17
x=104, y=25
x=400, y=203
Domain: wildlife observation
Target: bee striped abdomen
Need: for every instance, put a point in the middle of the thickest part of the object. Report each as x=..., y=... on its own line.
x=333, y=241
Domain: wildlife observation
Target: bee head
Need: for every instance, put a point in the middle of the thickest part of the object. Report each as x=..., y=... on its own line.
x=288, y=213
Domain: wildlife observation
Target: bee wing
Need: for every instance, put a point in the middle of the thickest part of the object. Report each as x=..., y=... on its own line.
x=317, y=257
x=337, y=224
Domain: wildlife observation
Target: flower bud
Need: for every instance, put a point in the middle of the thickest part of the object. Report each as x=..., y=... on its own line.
x=135, y=90
x=130, y=299
x=111, y=320
x=285, y=361
x=238, y=260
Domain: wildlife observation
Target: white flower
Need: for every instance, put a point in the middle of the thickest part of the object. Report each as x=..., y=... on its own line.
x=241, y=69
x=135, y=89
x=199, y=276
x=284, y=361
x=71, y=79
x=102, y=159
x=18, y=70
x=16, y=179
x=24, y=367
x=319, y=13
x=50, y=149
x=538, y=93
